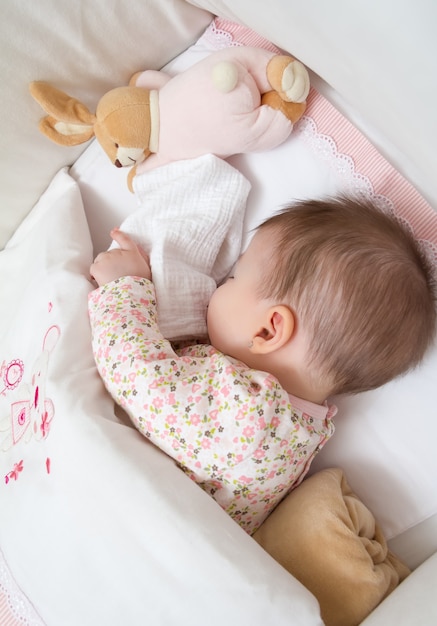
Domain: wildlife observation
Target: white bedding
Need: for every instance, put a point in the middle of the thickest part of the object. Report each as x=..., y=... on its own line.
x=96, y=525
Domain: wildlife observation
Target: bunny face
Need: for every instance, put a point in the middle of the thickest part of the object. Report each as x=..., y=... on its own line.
x=123, y=125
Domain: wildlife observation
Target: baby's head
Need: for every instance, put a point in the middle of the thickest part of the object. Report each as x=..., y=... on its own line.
x=343, y=280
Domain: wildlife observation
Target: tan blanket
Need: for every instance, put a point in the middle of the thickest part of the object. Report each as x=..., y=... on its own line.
x=329, y=540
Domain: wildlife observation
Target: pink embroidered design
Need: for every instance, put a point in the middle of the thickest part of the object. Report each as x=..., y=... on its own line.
x=12, y=373
x=20, y=419
x=31, y=416
x=15, y=472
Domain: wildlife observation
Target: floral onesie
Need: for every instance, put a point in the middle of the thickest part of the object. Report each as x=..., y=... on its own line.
x=235, y=431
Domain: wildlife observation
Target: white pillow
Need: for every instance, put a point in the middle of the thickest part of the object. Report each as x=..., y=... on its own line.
x=98, y=526
x=394, y=472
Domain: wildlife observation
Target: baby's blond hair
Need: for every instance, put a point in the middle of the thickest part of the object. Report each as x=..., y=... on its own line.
x=359, y=284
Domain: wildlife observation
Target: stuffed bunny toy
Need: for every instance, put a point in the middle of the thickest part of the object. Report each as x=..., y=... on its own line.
x=236, y=100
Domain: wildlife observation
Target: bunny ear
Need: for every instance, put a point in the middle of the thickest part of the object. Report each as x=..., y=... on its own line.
x=60, y=105
x=64, y=133
x=69, y=122
x=51, y=338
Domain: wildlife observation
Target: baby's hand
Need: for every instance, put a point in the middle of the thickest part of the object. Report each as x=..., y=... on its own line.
x=127, y=260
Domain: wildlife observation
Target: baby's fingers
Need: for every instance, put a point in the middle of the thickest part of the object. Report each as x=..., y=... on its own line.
x=124, y=241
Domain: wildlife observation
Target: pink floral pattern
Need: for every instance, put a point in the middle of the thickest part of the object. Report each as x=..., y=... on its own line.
x=15, y=472
x=235, y=431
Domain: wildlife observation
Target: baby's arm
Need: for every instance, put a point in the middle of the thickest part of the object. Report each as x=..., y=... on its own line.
x=228, y=427
x=172, y=399
x=127, y=260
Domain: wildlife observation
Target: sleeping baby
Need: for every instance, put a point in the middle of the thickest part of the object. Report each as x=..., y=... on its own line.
x=331, y=296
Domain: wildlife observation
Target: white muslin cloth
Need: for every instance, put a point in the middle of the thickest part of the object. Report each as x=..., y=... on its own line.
x=190, y=222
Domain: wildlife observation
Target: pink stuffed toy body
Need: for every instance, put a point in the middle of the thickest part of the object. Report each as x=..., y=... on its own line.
x=236, y=100
x=216, y=107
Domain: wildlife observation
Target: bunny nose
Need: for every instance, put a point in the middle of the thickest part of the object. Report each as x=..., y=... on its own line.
x=117, y=163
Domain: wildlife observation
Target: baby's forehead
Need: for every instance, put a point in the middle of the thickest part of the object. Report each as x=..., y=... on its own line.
x=265, y=239
x=264, y=234
x=260, y=249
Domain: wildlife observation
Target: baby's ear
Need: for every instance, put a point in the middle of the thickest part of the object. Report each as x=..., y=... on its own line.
x=277, y=330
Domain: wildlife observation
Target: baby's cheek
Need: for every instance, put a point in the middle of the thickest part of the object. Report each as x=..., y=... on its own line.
x=216, y=320
x=217, y=298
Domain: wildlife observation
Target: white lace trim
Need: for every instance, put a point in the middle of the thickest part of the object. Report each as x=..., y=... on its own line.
x=218, y=38
x=21, y=610
x=325, y=148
